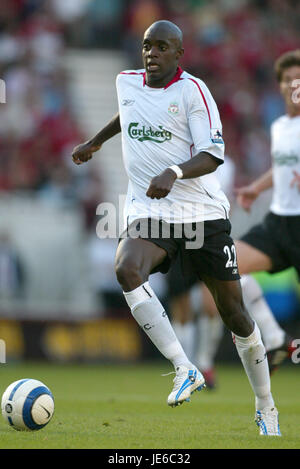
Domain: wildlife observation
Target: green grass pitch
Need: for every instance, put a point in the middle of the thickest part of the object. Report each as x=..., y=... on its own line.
x=124, y=407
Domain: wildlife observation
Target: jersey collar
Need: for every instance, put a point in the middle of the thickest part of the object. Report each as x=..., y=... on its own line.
x=175, y=78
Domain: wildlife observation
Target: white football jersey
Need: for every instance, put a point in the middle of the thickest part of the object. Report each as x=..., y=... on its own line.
x=285, y=148
x=163, y=127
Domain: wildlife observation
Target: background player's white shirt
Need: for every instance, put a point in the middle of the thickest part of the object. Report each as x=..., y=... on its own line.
x=285, y=148
x=226, y=175
x=166, y=126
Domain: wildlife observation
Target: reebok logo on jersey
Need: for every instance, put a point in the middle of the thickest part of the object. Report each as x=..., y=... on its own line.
x=128, y=102
x=142, y=133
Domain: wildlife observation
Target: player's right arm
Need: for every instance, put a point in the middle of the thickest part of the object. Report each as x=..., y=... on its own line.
x=84, y=152
x=248, y=194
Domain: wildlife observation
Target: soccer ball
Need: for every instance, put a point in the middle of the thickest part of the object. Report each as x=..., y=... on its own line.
x=27, y=404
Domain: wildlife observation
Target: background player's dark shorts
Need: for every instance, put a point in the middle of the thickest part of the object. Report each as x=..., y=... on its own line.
x=216, y=258
x=177, y=283
x=279, y=238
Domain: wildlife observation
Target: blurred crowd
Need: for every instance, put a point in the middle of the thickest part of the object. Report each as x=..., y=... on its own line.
x=38, y=128
x=230, y=44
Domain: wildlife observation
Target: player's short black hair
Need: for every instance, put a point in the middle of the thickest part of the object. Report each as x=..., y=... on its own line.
x=286, y=60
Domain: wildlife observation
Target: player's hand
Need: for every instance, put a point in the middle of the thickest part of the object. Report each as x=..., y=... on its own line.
x=82, y=153
x=161, y=185
x=296, y=180
x=245, y=196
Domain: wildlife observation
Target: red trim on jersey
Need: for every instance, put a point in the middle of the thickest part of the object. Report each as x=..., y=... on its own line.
x=132, y=73
x=203, y=97
x=176, y=77
x=191, y=153
x=135, y=73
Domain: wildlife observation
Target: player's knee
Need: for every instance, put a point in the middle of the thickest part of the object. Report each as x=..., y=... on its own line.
x=128, y=274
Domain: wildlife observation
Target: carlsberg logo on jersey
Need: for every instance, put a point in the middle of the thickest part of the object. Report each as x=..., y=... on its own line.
x=142, y=133
x=282, y=159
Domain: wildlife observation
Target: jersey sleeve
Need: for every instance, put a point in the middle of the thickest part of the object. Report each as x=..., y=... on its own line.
x=204, y=121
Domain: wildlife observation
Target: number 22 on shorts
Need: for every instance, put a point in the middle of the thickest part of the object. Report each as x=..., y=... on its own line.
x=231, y=256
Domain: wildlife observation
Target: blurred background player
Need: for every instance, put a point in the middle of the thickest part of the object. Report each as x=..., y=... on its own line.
x=274, y=244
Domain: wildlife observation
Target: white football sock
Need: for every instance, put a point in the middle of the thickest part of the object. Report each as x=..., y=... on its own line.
x=210, y=332
x=152, y=318
x=272, y=333
x=253, y=356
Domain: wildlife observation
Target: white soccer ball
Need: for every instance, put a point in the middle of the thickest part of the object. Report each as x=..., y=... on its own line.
x=27, y=404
